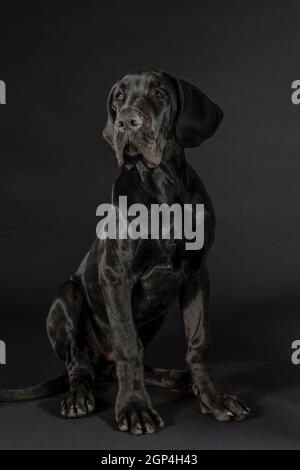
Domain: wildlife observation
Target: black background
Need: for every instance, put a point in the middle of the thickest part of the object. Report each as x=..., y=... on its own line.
x=59, y=62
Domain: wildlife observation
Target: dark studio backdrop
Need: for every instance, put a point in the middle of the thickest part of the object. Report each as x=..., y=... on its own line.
x=58, y=62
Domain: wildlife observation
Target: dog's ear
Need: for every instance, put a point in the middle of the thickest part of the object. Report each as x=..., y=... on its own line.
x=197, y=117
x=108, y=132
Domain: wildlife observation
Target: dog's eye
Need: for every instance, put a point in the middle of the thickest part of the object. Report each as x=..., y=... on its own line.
x=119, y=96
x=159, y=92
x=118, y=99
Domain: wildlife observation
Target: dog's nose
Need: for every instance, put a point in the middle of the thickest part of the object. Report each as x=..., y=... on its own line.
x=128, y=121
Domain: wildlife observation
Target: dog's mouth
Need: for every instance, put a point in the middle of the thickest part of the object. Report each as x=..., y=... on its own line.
x=131, y=153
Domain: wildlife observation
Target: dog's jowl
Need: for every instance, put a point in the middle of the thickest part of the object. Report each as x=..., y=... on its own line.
x=107, y=313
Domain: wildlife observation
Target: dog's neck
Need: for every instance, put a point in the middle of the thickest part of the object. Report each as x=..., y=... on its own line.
x=164, y=182
x=173, y=155
x=172, y=163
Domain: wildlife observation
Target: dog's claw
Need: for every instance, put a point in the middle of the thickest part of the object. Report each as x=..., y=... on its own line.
x=139, y=420
x=77, y=404
x=223, y=406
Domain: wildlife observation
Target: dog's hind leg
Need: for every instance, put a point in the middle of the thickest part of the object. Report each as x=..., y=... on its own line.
x=66, y=327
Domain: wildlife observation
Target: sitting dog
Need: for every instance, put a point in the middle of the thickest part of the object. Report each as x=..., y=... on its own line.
x=109, y=311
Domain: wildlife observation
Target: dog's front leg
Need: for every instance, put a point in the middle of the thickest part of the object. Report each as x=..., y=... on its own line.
x=213, y=400
x=134, y=411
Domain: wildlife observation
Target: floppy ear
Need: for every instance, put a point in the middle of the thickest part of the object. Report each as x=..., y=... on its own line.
x=197, y=118
x=108, y=131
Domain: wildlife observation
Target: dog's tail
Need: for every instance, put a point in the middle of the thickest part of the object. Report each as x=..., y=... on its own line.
x=175, y=380
x=54, y=387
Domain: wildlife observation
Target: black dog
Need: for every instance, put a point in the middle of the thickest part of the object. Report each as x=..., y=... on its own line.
x=112, y=307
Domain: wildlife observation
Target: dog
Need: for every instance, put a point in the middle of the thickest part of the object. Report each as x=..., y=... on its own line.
x=105, y=315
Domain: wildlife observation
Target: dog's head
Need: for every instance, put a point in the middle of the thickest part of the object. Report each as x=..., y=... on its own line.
x=147, y=109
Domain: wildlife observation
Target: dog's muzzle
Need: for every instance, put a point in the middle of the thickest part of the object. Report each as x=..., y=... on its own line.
x=128, y=121
x=128, y=126
x=134, y=140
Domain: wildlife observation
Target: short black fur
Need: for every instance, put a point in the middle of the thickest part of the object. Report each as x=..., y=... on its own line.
x=108, y=312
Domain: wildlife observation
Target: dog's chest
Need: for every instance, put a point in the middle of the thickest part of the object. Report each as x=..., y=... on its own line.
x=156, y=290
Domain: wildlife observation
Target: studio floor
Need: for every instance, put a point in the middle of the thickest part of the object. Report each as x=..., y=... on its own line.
x=274, y=423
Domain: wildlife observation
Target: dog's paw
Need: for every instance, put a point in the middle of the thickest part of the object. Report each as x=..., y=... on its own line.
x=77, y=403
x=223, y=406
x=139, y=419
